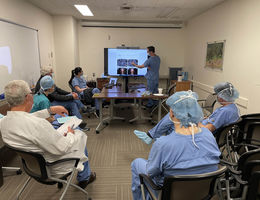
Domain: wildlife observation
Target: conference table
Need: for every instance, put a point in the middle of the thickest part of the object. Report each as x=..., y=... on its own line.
x=117, y=92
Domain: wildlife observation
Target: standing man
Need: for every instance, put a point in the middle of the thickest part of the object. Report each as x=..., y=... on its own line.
x=152, y=76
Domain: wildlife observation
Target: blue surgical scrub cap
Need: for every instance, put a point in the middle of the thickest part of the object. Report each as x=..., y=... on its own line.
x=46, y=82
x=185, y=107
x=226, y=91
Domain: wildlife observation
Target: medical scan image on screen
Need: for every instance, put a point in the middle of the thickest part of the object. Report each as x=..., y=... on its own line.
x=120, y=62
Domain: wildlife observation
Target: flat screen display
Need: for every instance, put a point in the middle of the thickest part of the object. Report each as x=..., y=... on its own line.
x=118, y=62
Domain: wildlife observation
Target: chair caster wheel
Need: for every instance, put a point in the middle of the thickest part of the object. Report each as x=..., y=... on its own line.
x=97, y=132
x=19, y=172
x=60, y=185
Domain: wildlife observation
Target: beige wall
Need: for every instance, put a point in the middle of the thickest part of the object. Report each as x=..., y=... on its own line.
x=237, y=22
x=92, y=41
x=66, y=48
x=21, y=12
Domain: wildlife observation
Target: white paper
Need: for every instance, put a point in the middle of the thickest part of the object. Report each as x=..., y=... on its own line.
x=73, y=123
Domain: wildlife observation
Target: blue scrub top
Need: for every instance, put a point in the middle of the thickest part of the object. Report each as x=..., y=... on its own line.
x=40, y=102
x=175, y=154
x=154, y=63
x=80, y=82
x=223, y=116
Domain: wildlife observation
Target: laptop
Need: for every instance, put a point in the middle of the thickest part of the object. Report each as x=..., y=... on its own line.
x=112, y=81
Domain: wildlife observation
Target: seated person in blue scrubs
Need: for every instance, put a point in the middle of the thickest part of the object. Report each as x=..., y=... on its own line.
x=189, y=149
x=227, y=114
x=79, y=84
x=41, y=101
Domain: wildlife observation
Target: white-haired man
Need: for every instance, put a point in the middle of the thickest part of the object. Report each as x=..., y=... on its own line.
x=31, y=132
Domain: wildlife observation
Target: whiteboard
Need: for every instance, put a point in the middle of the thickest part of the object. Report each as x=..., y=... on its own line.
x=19, y=54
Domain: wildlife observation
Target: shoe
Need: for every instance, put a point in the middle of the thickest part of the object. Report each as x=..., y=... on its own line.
x=105, y=104
x=143, y=136
x=86, y=109
x=83, y=184
x=82, y=125
x=149, y=105
x=86, y=129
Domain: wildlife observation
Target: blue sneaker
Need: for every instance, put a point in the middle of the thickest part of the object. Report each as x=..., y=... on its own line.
x=143, y=136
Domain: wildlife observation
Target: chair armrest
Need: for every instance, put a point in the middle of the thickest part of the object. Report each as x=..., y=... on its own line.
x=206, y=107
x=201, y=100
x=248, y=145
x=239, y=180
x=230, y=168
x=224, y=162
x=63, y=160
x=147, y=179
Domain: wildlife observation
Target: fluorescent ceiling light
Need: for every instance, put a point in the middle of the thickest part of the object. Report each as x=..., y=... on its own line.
x=84, y=10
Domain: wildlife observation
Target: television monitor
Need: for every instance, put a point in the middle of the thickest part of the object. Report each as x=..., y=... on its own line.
x=118, y=62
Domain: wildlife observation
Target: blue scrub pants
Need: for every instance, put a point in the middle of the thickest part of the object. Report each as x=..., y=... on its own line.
x=138, y=166
x=85, y=174
x=71, y=106
x=152, y=86
x=94, y=91
x=164, y=126
x=79, y=103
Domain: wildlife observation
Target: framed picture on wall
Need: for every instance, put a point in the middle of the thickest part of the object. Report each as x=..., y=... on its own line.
x=215, y=54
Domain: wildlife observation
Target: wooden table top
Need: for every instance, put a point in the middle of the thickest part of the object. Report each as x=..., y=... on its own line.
x=115, y=89
x=126, y=96
x=117, y=93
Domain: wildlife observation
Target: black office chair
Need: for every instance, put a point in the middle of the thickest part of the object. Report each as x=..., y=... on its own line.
x=253, y=192
x=224, y=138
x=245, y=136
x=208, y=104
x=36, y=167
x=183, y=187
x=244, y=183
x=3, y=149
x=237, y=166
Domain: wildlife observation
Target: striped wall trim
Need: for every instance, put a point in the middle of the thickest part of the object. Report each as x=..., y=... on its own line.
x=241, y=101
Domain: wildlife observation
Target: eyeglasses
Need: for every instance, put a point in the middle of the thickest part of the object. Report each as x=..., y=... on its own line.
x=32, y=93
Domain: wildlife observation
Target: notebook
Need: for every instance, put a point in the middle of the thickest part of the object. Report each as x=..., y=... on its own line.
x=73, y=123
